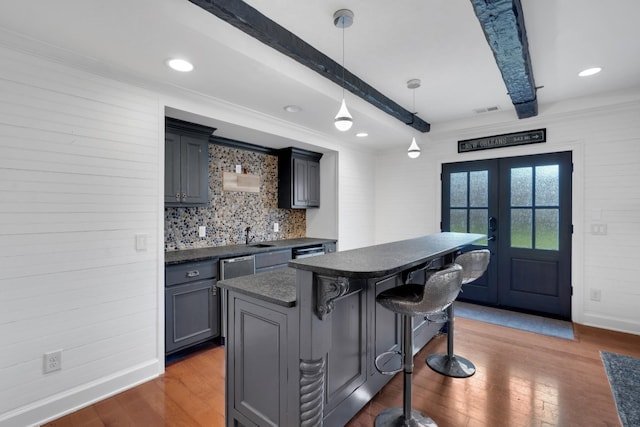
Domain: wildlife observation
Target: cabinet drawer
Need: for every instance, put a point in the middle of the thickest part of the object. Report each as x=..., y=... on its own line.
x=273, y=258
x=190, y=272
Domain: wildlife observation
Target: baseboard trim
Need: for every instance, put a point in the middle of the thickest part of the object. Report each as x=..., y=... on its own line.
x=614, y=324
x=79, y=397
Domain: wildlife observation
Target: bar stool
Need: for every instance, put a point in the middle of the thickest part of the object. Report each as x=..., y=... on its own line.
x=440, y=289
x=474, y=264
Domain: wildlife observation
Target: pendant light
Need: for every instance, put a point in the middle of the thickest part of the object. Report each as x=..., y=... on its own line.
x=413, y=151
x=343, y=18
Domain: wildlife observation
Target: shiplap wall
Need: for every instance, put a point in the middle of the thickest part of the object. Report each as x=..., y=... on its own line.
x=605, y=141
x=356, y=199
x=79, y=173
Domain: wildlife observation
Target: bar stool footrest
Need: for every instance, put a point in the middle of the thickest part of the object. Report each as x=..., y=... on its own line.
x=394, y=417
x=375, y=363
x=451, y=366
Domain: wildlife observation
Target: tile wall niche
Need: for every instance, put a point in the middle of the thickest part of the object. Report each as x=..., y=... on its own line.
x=230, y=213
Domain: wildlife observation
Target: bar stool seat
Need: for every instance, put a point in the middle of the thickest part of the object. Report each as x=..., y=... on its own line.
x=440, y=290
x=474, y=264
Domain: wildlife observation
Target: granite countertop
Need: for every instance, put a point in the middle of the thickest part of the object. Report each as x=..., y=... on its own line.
x=388, y=258
x=187, y=255
x=277, y=287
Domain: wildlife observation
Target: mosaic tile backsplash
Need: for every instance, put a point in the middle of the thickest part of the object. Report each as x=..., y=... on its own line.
x=230, y=213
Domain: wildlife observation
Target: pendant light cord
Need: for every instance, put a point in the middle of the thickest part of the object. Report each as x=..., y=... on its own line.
x=343, y=60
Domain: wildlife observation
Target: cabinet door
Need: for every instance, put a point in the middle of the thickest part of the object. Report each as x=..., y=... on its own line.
x=192, y=314
x=195, y=170
x=300, y=181
x=346, y=361
x=313, y=184
x=172, y=153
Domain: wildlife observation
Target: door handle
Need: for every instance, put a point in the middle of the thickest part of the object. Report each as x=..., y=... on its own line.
x=491, y=238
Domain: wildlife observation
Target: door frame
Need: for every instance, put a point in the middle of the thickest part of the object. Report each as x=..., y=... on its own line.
x=579, y=216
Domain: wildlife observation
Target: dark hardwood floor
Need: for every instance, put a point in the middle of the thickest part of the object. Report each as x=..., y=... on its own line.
x=522, y=379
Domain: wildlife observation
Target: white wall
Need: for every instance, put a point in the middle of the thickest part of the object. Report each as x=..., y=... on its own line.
x=356, y=210
x=605, y=141
x=79, y=178
x=81, y=175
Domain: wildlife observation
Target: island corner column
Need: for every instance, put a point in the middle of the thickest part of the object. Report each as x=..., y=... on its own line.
x=315, y=294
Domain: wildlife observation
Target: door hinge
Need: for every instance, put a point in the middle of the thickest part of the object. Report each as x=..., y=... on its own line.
x=572, y=291
x=571, y=229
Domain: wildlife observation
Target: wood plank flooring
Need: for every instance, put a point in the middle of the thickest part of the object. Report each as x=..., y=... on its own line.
x=522, y=379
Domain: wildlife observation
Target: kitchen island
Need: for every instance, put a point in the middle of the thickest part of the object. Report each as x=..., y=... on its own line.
x=301, y=342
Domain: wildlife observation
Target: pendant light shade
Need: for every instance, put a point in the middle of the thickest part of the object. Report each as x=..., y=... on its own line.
x=343, y=120
x=343, y=18
x=414, y=150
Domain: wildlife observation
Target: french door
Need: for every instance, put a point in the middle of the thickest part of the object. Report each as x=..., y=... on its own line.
x=523, y=205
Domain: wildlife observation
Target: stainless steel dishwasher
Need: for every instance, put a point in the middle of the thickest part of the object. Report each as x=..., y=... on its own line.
x=229, y=269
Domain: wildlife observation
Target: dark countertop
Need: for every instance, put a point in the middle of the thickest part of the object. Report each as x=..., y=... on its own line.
x=187, y=255
x=387, y=258
x=278, y=287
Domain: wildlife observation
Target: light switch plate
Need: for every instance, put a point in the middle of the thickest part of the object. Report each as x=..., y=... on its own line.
x=202, y=231
x=238, y=168
x=276, y=227
x=141, y=242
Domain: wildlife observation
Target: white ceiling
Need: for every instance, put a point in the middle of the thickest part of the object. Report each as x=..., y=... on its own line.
x=390, y=42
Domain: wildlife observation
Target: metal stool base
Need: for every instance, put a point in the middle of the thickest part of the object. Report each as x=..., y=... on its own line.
x=454, y=366
x=394, y=417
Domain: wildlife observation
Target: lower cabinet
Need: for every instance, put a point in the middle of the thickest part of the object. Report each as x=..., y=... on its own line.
x=192, y=307
x=262, y=363
x=347, y=359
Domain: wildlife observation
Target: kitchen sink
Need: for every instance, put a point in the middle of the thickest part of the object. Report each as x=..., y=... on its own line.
x=260, y=245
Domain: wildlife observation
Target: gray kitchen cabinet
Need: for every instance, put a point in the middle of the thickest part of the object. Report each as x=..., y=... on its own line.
x=274, y=260
x=192, y=304
x=259, y=339
x=186, y=171
x=347, y=358
x=298, y=178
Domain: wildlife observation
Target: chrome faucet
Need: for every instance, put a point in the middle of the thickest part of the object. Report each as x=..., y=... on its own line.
x=247, y=239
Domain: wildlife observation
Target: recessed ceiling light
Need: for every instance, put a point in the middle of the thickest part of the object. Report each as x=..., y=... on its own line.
x=180, y=65
x=590, y=71
x=292, y=108
x=362, y=134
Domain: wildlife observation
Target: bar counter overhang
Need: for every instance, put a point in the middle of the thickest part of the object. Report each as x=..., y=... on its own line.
x=301, y=342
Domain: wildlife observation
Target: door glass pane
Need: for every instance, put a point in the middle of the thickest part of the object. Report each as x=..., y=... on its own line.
x=521, y=186
x=478, y=223
x=547, y=185
x=458, y=192
x=521, y=225
x=458, y=219
x=547, y=227
x=479, y=189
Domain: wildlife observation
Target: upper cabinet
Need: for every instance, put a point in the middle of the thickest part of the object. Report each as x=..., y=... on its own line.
x=186, y=163
x=298, y=178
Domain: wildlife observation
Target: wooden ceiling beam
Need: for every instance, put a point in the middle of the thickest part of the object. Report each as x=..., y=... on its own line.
x=249, y=20
x=503, y=24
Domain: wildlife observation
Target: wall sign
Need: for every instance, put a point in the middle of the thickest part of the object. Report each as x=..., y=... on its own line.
x=505, y=140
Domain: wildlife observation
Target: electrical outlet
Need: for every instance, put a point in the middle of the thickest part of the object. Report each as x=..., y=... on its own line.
x=238, y=168
x=595, y=295
x=52, y=361
x=276, y=227
x=202, y=231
